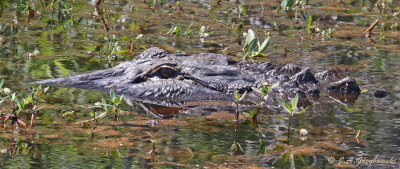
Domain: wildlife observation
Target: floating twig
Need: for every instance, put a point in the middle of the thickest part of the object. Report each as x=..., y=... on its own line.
x=356, y=137
x=372, y=26
x=131, y=49
x=358, y=134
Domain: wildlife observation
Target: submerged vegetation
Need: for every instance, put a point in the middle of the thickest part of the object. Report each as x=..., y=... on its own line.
x=21, y=103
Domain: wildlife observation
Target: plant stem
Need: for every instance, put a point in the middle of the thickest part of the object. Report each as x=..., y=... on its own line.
x=288, y=137
x=237, y=112
x=33, y=116
x=254, y=118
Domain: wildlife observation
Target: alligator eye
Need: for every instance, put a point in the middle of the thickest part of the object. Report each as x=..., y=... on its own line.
x=166, y=72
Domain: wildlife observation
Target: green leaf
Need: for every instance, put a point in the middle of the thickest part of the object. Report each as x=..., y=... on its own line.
x=290, y=3
x=236, y=94
x=284, y=4
x=264, y=45
x=187, y=32
x=261, y=148
x=294, y=101
x=250, y=48
x=265, y=90
x=236, y=147
x=3, y=4
x=103, y=114
x=265, y=97
x=117, y=100
x=18, y=103
x=239, y=29
x=123, y=51
x=261, y=54
x=273, y=85
x=285, y=158
x=20, y=52
x=282, y=118
x=12, y=97
x=26, y=101
x=121, y=98
x=243, y=95
x=291, y=158
x=23, y=94
x=112, y=95
x=246, y=114
x=301, y=158
x=89, y=48
x=309, y=24
x=119, y=111
x=1, y=82
x=253, y=113
x=284, y=105
x=92, y=114
x=177, y=30
x=242, y=9
x=45, y=19
x=46, y=89
x=250, y=37
x=287, y=4
x=256, y=90
x=363, y=91
x=139, y=36
x=64, y=71
x=171, y=30
x=288, y=106
x=303, y=110
x=103, y=102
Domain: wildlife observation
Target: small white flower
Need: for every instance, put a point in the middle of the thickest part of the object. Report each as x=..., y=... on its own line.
x=6, y=91
x=97, y=104
x=303, y=132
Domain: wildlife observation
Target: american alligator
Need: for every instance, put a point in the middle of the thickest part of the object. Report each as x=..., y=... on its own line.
x=157, y=76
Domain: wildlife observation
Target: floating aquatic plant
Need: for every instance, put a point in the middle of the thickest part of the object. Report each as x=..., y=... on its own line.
x=264, y=96
x=291, y=108
x=21, y=102
x=252, y=46
x=238, y=97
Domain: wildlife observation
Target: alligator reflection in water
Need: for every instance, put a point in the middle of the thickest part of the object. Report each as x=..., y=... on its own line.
x=164, y=79
x=203, y=108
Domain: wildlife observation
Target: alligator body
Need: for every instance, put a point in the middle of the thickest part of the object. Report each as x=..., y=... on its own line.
x=157, y=76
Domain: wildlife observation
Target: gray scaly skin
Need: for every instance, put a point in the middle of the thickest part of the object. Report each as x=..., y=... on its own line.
x=158, y=76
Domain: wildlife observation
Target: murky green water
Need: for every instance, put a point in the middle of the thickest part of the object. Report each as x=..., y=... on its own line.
x=77, y=38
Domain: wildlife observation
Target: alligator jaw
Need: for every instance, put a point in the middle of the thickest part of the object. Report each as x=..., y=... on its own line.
x=93, y=80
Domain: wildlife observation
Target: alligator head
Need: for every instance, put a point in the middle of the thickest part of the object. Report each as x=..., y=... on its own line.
x=158, y=76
